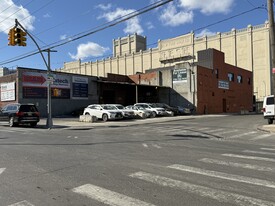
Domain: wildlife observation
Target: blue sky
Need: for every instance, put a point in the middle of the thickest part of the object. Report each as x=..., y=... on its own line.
x=58, y=21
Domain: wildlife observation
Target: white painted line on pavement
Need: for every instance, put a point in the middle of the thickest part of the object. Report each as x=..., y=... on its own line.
x=213, y=130
x=241, y=135
x=202, y=128
x=239, y=165
x=156, y=146
x=220, y=196
x=261, y=136
x=259, y=152
x=227, y=132
x=250, y=157
x=222, y=175
x=108, y=197
x=22, y=203
x=144, y=145
x=269, y=149
x=2, y=170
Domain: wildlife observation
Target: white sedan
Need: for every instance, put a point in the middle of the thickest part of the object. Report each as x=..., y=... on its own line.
x=127, y=113
x=140, y=112
x=103, y=112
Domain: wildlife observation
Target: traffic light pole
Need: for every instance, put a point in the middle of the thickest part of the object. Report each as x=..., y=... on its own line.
x=49, y=111
x=272, y=43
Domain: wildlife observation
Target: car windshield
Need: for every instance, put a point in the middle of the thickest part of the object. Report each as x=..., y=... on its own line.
x=120, y=107
x=28, y=108
x=109, y=107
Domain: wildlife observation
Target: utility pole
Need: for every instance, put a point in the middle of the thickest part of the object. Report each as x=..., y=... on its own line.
x=272, y=42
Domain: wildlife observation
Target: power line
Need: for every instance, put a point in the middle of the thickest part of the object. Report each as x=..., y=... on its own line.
x=99, y=28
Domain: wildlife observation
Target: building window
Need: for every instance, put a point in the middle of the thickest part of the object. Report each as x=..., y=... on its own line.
x=230, y=77
x=239, y=79
x=249, y=81
x=217, y=73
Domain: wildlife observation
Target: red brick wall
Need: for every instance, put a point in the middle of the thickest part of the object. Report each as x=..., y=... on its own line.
x=212, y=99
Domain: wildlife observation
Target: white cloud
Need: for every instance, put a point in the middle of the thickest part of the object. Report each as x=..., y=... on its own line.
x=132, y=25
x=11, y=12
x=171, y=17
x=150, y=25
x=207, y=6
x=47, y=15
x=205, y=32
x=89, y=49
x=63, y=37
x=104, y=6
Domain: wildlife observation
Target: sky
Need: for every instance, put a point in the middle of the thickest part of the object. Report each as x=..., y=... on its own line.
x=83, y=29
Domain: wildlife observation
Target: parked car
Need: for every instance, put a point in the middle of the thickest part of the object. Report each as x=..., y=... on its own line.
x=140, y=112
x=17, y=113
x=169, y=109
x=127, y=113
x=103, y=112
x=268, y=109
x=156, y=111
x=184, y=110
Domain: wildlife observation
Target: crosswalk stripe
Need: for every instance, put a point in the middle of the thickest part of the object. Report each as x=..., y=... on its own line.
x=261, y=136
x=2, y=170
x=259, y=152
x=218, y=195
x=243, y=134
x=156, y=146
x=250, y=157
x=108, y=197
x=269, y=149
x=234, y=164
x=225, y=176
x=22, y=203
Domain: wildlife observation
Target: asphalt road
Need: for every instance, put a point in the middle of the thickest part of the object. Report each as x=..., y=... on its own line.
x=205, y=161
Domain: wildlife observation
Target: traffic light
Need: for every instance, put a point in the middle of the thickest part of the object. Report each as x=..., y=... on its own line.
x=19, y=37
x=11, y=37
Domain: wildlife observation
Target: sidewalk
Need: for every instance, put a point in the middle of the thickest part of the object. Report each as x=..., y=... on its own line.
x=267, y=128
x=73, y=123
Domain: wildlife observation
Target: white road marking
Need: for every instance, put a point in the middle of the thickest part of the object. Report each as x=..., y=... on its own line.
x=144, y=145
x=250, y=157
x=202, y=128
x=213, y=130
x=22, y=203
x=241, y=135
x=156, y=146
x=261, y=136
x=76, y=137
x=218, y=195
x=225, y=176
x=2, y=170
x=227, y=132
x=234, y=164
x=269, y=149
x=259, y=152
x=108, y=197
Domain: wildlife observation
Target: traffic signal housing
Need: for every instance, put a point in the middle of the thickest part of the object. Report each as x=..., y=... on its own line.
x=11, y=37
x=20, y=37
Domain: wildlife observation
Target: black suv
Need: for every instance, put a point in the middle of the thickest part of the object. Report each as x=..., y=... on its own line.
x=18, y=113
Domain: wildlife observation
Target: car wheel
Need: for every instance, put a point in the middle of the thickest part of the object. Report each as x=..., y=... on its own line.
x=104, y=117
x=33, y=124
x=11, y=122
x=270, y=121
x=154, y=114
x=87, y=113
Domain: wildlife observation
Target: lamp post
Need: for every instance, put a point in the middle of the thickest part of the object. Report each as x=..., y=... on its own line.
x=49, y=96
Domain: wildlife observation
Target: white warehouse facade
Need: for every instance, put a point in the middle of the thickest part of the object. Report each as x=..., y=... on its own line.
x=245, y=48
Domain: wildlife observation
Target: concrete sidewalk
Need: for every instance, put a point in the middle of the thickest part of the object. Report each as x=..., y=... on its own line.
x=74, y=123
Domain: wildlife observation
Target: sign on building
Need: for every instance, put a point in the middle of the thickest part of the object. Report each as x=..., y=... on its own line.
x=35, y=85
x=179, y=75
x=223, y=84
x=80, y=87
x=8, y=91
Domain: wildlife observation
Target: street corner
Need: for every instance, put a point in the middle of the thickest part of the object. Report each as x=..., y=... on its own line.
x=267, y=128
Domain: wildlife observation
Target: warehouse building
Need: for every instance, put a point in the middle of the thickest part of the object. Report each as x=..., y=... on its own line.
x=210, y=85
